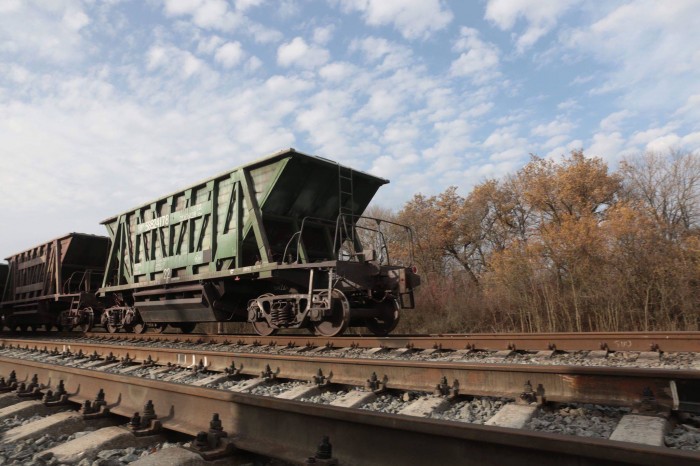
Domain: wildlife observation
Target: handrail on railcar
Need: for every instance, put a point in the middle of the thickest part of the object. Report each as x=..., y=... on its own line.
x=299, y=234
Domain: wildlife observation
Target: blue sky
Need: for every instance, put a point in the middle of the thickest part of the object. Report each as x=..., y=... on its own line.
x=107, y=104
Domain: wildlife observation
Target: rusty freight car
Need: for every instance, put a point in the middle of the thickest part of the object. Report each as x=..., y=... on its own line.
x=274, y=243
x=3, y=279
x=54, y=283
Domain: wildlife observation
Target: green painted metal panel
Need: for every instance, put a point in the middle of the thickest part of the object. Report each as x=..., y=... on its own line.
x=236, y=219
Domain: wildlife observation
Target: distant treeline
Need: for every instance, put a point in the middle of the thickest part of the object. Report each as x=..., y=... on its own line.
x=562, y=245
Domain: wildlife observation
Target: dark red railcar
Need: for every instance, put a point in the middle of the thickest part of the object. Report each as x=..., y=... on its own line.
x=54, y=283
x=3, y=279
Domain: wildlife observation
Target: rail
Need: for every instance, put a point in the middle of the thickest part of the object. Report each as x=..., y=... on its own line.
x=291, y=430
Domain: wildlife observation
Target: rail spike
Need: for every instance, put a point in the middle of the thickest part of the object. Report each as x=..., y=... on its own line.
x=268, y=374
x=215, y=443
x=56, y=398
x=148, y=424
x=95, y=409
x=322, y=380
x=32, y=390
x=324, y=454
x=376, y=385
x=232, y=370
x=444, y=389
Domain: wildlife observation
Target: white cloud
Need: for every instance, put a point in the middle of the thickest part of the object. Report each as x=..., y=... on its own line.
x=209, y=44
x=262, y=34
x=174, y=62
x=608, y=146
x=16, y=73
x=242, y=5
x=230, y=54
x=379, y=49
x=43, y=31
x=663, y=143
x=337, y=71
x=578, y=80
x=414, y=19
x=207, y=14
x=323, y=34
x=400, y=132
x=556, y=127
x=300, y=54
x=218, y=15
x=691, y=107
x=324, y=120
x=568, y=104
x=691, y=142
x=454, y=138
x=502, y=138
x=613, y=121
x=540, y=16
x=253, y=64
x=650, y=48
x=648, y=135
x=75, y=19
x=478, y=60
x=382, y=104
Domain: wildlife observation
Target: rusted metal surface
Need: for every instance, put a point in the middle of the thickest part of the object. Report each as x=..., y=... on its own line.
x=612, y=341
x=49, y=278
x=610, y=385
x=4, y=268
x=292, y=430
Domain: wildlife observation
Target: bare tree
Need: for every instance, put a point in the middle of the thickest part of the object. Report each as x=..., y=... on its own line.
x=668, y=185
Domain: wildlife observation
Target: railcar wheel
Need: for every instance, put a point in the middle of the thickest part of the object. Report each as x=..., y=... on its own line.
x=88, y=320
x=111, y=328
x=336, y=323
x=263, y=329
x=159, y=328
x=137, y=328
x=386, y=321
x=262, y=326
x=187, y=327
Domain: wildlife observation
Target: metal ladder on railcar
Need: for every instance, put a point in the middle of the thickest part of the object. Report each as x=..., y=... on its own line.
x=346, y=198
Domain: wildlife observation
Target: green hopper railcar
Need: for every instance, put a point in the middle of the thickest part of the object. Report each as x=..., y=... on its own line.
x=276, y=243
x=55, y=283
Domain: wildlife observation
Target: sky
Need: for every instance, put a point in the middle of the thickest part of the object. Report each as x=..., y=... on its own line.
x=106, y=105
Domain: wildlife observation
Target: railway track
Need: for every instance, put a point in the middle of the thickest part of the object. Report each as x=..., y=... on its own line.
x=413, y=395
x=608, y=341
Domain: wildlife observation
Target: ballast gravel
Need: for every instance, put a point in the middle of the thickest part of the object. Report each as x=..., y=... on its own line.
x=684, y=437
x=275, y=388
x=586, y=420
x=386, y=403
x=325, y=398
x=475, y=411
x=23, y=451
